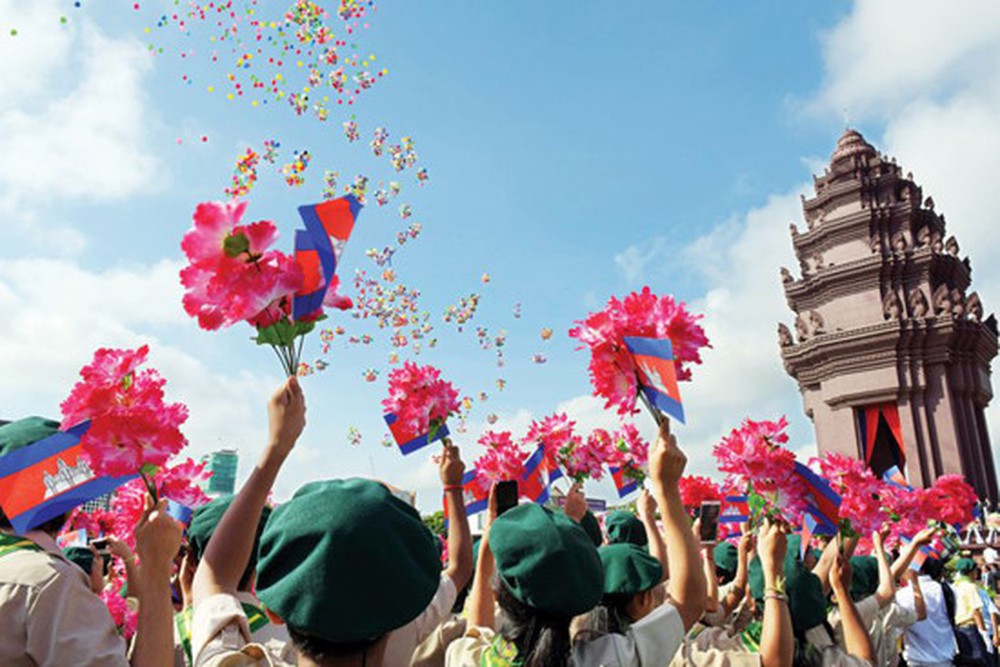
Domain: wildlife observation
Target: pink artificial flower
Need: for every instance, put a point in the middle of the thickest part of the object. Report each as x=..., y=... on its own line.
x=130, y=425
x=631, y=450
x=695, y=490
x=503, y=460
x=333, y=299
x=612, y=371
x=128, y=506
x=585, y=459
x=182, y=483
x=420, y=398
x=125, y=618
x=554, y=433
x=232, y=276
x=96, y=522
x=860, y=491
x=951, y=500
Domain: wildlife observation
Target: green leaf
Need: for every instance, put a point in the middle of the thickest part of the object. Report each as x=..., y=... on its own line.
x=149, y=469
x=235, y=245
x=281, y=333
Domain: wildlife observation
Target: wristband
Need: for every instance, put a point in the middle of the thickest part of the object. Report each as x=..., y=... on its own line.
x=452, y=487
x=776, y=596
x=778, y=588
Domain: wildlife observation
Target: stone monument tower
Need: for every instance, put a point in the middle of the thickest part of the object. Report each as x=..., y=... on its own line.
x=890, y=348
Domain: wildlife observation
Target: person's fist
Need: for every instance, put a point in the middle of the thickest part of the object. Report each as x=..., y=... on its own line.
x=772, y=544
x=451, y=466
x=576, y=503
x=666, y=460
x=286, y=413
x=645, y=506
x=158, y=538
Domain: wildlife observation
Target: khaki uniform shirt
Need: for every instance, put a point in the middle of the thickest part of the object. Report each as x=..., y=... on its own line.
x=830, y=654
x=403, y=641
x=220, y=637
x=868, y=610
x=262, y=635
x=431, y=652
x=652, y=641
x=895, y=620
x=49, y=614
x=714, y=647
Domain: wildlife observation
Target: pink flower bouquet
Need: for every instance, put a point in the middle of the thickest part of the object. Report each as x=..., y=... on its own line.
x=420, y=399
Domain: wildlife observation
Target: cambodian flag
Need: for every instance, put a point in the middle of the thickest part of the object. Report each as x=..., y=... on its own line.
x=410, y=441
x=822, y=500
x=736, y=509
x=922, y=554
x=623, y=483
x=534, y=483
x=318, y=249
x=50, y=478
x=895, y=477
x=74, y=538
x=477, y=495
x=654, y=361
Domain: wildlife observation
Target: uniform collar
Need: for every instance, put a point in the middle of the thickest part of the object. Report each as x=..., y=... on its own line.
x=44, y=540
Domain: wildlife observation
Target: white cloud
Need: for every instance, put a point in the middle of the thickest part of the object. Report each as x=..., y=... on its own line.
x=633, y=261
x=74, y=119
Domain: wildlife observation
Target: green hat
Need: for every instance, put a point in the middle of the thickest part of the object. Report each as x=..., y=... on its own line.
x=806, y=601
x=622, y=526
x=23, y=432
x=547, y=560
x=864, y=577
x=82, y=557
x=628, y=569
x=346, y=561
x=726, y=558
x=204, y=521
x=965, y=565
x=593, y=529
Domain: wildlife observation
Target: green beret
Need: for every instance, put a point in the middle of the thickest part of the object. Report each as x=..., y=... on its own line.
x=628, y=569
x=864, y=577
x=965, y=565
x=806, y=601
x=622, y=526
x=82, y=557
x=347, y=561
x=204, y=521
x=23, y=432
x=726, y=558
x=593, y=529
x=547, y=560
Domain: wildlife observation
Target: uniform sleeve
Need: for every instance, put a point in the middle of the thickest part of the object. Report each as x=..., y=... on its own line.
x=658, y=636
x=868, y=610
x=68, y=625
x=469, y=649
x=220, y=636
x=437, y=610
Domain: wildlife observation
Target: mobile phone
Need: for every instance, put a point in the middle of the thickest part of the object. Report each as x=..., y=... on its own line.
x=506, y=496
x=100, y=543
x=709, y=515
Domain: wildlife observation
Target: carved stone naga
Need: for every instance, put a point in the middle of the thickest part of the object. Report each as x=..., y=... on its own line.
x=786, y=276
x=974, y=307
x=816, y=320
x=918, y=303
x=942, y=300
x=923, y=236
x=951, y=246
x=891, y=308
x=784, y=336
x=957, y=304
x=899, y=242
x=800, y=328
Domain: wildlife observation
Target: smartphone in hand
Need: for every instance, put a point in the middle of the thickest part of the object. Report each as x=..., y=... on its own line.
x=709, y=514
x=507, y=494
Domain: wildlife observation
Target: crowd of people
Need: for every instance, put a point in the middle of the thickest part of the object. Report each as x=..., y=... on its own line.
x=346, y=573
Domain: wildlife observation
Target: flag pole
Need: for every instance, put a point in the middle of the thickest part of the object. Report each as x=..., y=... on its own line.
x=657, y=415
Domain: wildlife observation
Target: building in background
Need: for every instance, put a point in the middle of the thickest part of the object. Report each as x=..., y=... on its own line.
x=890, y=349
x=223, y=464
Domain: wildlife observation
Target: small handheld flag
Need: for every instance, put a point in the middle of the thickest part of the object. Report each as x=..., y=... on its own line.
x=50, y=478
x=182, y=513
x=623, y=482
x=534, y=484
x=74, y=538
x=823, y=501
x=657, y=374
x=895, y=477
x=318, y=249
x=408, y=440
x=735, y=509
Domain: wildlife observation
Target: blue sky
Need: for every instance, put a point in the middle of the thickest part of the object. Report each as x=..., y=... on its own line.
x=575, y=151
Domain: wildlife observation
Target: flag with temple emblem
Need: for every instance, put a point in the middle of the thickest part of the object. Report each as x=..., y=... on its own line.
x=318, y=248
x=735, y=509
x=657, y=374
x=409, y=440
x=623, y=482
x=49, y=478
x=534, y=482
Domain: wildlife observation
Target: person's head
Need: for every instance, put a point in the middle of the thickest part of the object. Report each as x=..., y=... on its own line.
x=932, y=567
x=726, y=558
x=326, y=552
x=204, y=521
x=548, y=571
x=21, y=434
x=864, y=577
x=623, y=527
x=630, y=577
x=966, y=567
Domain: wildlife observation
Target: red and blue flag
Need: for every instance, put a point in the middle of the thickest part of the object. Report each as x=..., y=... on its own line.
x=822, y=500
x=657, y=374
x=50, y=478
x=318, y=247
x=534, y=483
x=896, y=477
x=735, y=509
x=408, y=440
x=624, y=483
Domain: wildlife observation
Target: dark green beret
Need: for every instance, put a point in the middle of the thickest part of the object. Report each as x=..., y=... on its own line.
x=347, y=561
x=593, y=529
x=204, y=521
x=82, y=557
x=806, y=601
x=628, y=569
x=864, y=577
x=23, y=432
x=726, y=558
x=622, y=526
x=547, y=560
x=965, y=565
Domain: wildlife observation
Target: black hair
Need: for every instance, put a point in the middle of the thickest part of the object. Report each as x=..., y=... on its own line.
x=52, y=526
x=323, y=650
x=932, y=567
x=542, y=640
x=723, y=575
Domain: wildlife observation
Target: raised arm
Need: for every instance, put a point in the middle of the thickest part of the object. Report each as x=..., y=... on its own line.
x=482, y=598
x=739, y=587
x=856, y=639
x=687, y=580
x=777, y=638
x=906, y=554
x=708, y=567
x=228, y=552
x=158, y=538
x=459, y=538
x=886, y=590
x=645, y=506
